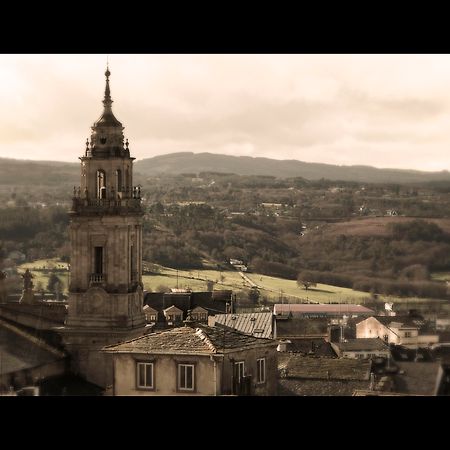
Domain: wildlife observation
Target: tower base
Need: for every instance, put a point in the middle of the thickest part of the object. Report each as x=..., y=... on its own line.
x=85, y=345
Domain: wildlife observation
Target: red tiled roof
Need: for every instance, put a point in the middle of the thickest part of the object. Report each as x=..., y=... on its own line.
x=324, y=308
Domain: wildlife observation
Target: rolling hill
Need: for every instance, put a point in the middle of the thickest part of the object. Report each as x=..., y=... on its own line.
x=26, y=172
x=188, y=162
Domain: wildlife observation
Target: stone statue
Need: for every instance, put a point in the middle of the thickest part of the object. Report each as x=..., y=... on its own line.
x=27, y=293
x=27, y=280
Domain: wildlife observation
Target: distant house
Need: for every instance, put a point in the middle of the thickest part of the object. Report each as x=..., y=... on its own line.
x=195, y=360
x=151, y=314
x=173, y=315
x=361, y=348
x=254, y=324
x=305, y=375
x=213, y=302
x=235, y=262
x=200, y=314
x=400, y=330
x=329, y=310
x=391, y=212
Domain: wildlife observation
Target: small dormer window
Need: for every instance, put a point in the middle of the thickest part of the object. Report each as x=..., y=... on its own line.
x=103, y=140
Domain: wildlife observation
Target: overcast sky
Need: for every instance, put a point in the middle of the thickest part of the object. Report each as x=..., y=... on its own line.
x=380, y=110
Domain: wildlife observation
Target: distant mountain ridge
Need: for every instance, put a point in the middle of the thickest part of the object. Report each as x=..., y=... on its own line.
x=188, y=162
x=28, y=172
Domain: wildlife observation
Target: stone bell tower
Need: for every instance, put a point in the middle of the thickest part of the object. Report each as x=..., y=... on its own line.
x=105, y=289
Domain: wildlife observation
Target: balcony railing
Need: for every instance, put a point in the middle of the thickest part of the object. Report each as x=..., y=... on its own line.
x=106, y=205
x=97, y=278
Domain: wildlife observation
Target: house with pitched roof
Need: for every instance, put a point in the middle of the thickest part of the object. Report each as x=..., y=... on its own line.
x=364, y=348
x=401, y=330
x=195, y=360
x=173, y=315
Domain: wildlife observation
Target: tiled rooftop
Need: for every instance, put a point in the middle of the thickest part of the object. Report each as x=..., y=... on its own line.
x=324, y=308
x=318, y=347
x=399, y=321
x=173, y=309
x=369, y=344
x=253, y=324
x=291, y=386
x=187, y=340
x=417, y=378
x=306, y=367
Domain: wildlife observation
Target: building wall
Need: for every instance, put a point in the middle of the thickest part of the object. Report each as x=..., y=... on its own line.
x=213, y=373
x=87, y=358
x=371, y=328
x=116, y=234
x=249, y=357
x=366, y=354
x=165, y=374
x=359, y=354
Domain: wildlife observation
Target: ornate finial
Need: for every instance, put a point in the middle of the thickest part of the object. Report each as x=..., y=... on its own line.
x=107, y=102
x=126, y=143
x=87, y=144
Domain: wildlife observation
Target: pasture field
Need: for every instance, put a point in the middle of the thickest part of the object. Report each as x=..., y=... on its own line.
x=274, y=289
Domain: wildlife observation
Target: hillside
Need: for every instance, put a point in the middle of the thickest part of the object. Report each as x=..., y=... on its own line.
x=15, y=172
x=188, y=162
x=24, y=172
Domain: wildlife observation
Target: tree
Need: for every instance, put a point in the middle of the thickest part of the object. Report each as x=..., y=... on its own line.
x=306, y=279
x=162, y=288
x=254, y=294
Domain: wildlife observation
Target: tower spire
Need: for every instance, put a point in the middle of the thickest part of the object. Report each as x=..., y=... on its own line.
x=107, y=101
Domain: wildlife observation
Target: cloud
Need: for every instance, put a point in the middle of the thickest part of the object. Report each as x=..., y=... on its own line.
x=381, y=110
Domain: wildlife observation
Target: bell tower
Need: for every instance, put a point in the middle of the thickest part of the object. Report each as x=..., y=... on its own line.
x=105, y=288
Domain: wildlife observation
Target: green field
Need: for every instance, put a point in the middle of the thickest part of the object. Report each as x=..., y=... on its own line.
x=274, y=289
x=41, y=270
x=440, y=276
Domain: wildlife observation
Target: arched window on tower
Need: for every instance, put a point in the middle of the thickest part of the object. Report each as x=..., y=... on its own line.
x=101, y=184
x=118, y=180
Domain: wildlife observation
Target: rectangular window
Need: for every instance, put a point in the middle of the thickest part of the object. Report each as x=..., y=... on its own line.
x=185, y=377
x=261, y=370
x=98, y=262
x=145, y=375
x=239, y=368
x=407, y=334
